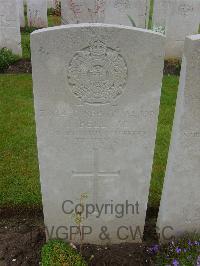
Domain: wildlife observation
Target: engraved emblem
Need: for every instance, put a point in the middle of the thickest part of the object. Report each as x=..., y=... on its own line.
x=97, y=74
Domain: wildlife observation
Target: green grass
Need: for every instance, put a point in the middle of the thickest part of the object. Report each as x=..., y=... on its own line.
x=151, y=14
x=54, y=20
x=19, y=181
x=167, y=108
x=25, y=35
x=25, y=41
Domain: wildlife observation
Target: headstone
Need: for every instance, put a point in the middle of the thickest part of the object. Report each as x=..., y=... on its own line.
x=113, y=12
x=20, y=4
x=96, y=101
x=180, y=204
x=124, y=11
x=37, y=13
x=52, y=3
x=181, y=18
x=160, y=9
x=10, y=26
x=82, y=11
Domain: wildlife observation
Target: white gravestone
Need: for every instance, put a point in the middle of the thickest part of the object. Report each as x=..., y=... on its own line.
x=111, y=11
x=96, y=101
x=180, y=19
x=37, y=13
x=10, y=26
x=20, y=4
x=180, y=203
x=52, y=3
x=160, y=8
x=82, y=11
x=123, y=11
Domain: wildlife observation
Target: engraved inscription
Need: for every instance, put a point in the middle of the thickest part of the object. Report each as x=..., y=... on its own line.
x=125, y=4
x=97, y=74
x=80, y=10
x=5, y=22
x=185, y=9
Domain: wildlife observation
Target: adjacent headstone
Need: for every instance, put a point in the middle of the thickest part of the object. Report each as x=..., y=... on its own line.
x=125, y=11
x=37, y=13
x=82, y=11
x=10, y=26
x=52, y=3
x=180, y=18
x=160, y=9
x=122, y=12
x=20, y=4
x=180, y=204
x=96, y=101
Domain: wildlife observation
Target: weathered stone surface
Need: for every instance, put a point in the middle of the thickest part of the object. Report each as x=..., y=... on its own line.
x=82, y=11
x=112, y=11
x=96, y=101
x=160, y=10
x=10, y=26
x=20, y=4
x=180, y=18
x=180, y=204
x=52, y=3
x=123, y=11
x=37, y=13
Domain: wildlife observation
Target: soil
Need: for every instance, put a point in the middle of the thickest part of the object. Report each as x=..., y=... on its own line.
x=21, y=66
x=172, y=67
x=22, y=237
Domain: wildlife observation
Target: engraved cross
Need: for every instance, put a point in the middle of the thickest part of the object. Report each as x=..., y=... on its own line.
x=95, y=174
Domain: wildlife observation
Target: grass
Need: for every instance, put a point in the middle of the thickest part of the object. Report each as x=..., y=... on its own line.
x=151, y=14
x=54, y=20
x=58, y=253
x=165, y=121
x=25, y=35
x=19, y=176
x=25, y=41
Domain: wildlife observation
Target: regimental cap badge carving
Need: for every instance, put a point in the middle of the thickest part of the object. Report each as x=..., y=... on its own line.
x=97, y=74
x=97, y=48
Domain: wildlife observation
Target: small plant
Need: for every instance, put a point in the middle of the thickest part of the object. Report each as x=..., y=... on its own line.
x=184, y=252
x=132, y=21
x=7, y=58
x=159, y=29
x=79, y=218
x=50, y=11
x=28, y=29
x=59, y=253
x=57, y=10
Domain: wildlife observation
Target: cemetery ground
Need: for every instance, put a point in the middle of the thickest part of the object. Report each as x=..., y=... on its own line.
x=20, y=198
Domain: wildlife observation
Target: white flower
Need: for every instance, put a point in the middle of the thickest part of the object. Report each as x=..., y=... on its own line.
x=160, y=29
